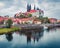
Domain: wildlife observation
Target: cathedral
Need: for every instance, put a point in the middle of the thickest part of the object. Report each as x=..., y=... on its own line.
x=29, y=7
x=35, y=11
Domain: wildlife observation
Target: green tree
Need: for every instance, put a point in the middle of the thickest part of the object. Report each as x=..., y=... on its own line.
x=9, y=23
x=48, y=21
x=45, y=20
x=41, y=17
x=29, y=15
x=21, y=16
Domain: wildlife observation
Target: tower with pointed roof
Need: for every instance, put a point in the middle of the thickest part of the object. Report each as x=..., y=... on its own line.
x=34, y=7
x=38, y=8
x=28, y=7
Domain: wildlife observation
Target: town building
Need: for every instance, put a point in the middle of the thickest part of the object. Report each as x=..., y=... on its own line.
x=53, y=20
x=58, y=21
x=37, y=21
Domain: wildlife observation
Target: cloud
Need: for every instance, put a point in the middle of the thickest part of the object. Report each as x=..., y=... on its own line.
x=10, y=7
x=2, y=4
x=52, y=10
x=52, y=0
x=7, y=3
x=13, y=9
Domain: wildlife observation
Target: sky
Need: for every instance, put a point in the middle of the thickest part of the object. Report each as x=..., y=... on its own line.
x=51, y=8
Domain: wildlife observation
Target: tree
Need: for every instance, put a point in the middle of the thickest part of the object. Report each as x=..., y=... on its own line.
x=48, y=21
x=40, y=17
x=9, y=23
x=29, y=15
x=2, y=22
x=21, y=16
x=45, y=20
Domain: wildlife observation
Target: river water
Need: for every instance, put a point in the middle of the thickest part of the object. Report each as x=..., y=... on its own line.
x=31, y=39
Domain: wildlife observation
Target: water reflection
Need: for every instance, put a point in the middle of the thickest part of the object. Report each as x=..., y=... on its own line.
x=28, y=37
x=31, y=39
x=52, y=29
x=32, y=34
x=9, y=36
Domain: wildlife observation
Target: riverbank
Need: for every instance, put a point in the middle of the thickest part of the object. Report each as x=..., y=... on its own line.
x=8, y=30
x=23, y=27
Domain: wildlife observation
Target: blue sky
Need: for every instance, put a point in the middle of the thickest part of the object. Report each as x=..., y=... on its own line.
x=51, y=8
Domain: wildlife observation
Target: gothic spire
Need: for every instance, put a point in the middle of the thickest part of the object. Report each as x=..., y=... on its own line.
x=34, y=7
x=37, y=8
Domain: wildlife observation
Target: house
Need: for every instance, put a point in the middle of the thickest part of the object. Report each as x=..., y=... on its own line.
x=5, y=19
x=34, y=13
x=36, y=21
x=58, y=21
x=53, y=20
x=22, y=21
x=26, y=20
x=1, y=20
x=15, y=21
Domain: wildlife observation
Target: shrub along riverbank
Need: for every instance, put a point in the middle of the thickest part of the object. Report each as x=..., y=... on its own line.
x=8, y=30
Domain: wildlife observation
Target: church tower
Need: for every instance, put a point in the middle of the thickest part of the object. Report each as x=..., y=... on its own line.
x=38, y=8
x=28, y=7
x=34, y=7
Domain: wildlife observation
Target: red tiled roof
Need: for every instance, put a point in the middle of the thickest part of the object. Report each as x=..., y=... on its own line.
x=58, y=20
x=52, y=19
x=25, y=19
x=22, y=19
x=1, y=19
x=32, y=11
x=26, y=13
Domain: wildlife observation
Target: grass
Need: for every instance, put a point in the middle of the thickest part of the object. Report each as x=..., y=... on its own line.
x=7, y=30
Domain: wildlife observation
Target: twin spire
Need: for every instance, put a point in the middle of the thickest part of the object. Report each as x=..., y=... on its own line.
x=34, y=7
x=29, y=7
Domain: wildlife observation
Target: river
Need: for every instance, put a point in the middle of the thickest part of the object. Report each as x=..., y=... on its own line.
x=31, y=39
